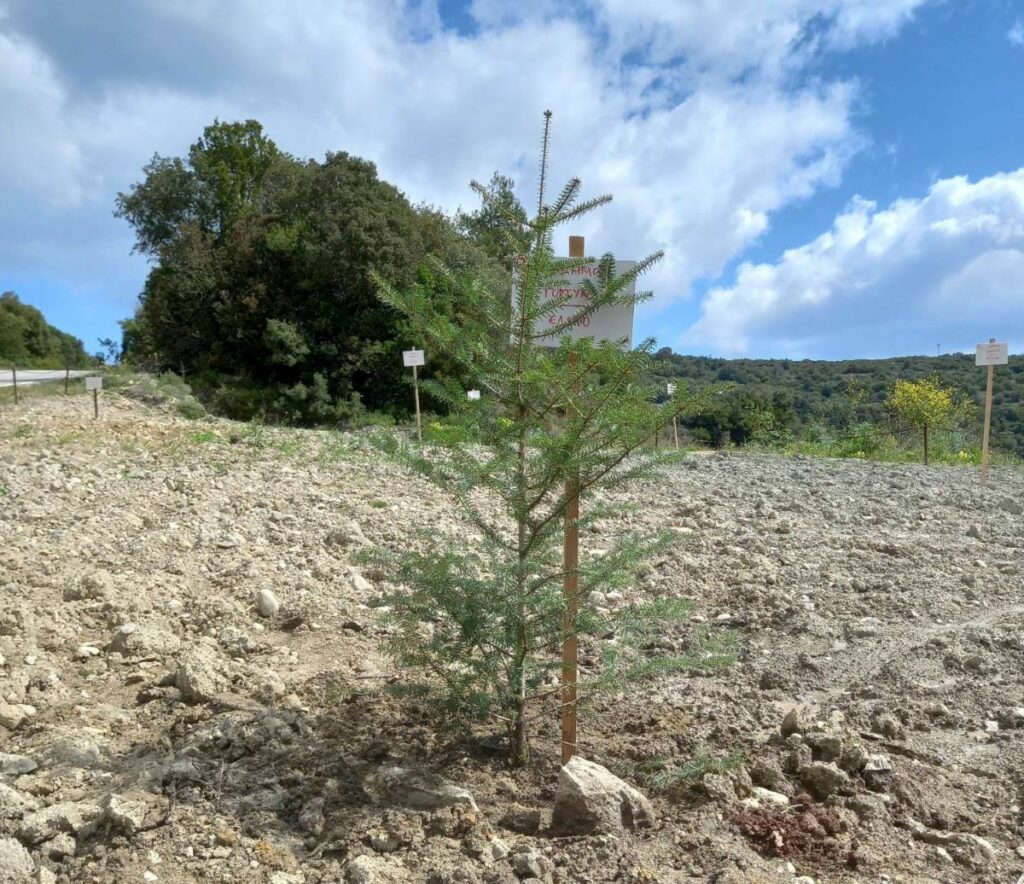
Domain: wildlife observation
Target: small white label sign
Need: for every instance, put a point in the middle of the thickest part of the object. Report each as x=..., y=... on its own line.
x=473, y=395
x=992, y=354
x=412, y=357
x=94, y=382
x=671, y=388
x=607, y=324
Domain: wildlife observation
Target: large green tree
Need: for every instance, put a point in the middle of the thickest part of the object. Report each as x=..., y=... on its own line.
x=261, y=286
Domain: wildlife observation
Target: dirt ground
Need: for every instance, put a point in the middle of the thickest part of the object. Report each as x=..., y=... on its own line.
x=155, y=726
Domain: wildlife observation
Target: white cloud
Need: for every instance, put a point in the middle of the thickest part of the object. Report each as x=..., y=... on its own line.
x=685, y=111
x=1016, y=33
x=885, y=280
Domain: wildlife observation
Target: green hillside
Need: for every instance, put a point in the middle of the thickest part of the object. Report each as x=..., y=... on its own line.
x=809, y=395
x=29, y=341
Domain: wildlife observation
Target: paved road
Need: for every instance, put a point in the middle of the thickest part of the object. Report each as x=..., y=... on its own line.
x=28, y=376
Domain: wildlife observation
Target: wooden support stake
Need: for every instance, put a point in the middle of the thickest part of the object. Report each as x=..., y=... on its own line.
x=96, y=404
x=416, y=393
x=67, y=377
x=14, y=375
x=675, y=431
x=988, y=421
x=571, y=581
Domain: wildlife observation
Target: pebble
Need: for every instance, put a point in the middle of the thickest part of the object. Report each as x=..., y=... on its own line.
x=267, y=604
x=11, y=716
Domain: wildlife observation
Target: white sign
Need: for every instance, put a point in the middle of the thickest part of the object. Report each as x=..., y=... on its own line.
x=992, y=354
x=671, y=388
x=93, y=382
x=611, y=323
x=473, y=395
x=412, y=357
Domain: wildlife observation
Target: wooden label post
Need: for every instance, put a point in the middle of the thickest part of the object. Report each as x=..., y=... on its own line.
x=67, y=377
x=670, y=388
x=571, y=581
x=94, y=383
x=990, y=354
x=414, y=359
x=14, y=380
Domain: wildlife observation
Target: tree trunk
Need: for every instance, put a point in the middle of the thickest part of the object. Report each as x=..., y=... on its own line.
x=926, y=444
x=519, y=743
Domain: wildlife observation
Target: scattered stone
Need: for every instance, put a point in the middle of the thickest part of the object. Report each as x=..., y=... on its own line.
x=823, y=779
x=421, y=791
x=16, y=864
x=267, y=603
x=196, y=676
x=974, y=531
x=524, y=820
x=148, y=641
x=792, y=722
x=768, y=797
x=1011, y=717
x=853, y=758
x=530, y=864
x=362, y=870
x=888, y=725
x=826, y=747
x=868, y=627
x=718, y=788
x=98, y=585
x=346, y=536
x=77, y=751
x=767, y=772
x=14, y=804
x=11, y=716
x=16, y=764
x=877, y=773
x=134, y=812
x=61, y=846
x=42, y=825
x=591, y=800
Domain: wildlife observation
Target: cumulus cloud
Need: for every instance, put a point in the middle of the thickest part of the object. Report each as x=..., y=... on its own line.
x=885, y=280
x=693, y=114
x=1016, y=34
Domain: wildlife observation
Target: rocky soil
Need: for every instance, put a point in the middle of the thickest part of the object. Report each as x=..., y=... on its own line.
x=192, y=683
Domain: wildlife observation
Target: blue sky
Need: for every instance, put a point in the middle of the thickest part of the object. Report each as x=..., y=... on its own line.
x=828, y=178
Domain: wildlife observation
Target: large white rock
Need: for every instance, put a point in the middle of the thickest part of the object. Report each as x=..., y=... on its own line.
x=592, y=800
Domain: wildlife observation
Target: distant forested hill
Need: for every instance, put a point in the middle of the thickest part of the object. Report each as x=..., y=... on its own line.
x=29, y=341
x=803, y=393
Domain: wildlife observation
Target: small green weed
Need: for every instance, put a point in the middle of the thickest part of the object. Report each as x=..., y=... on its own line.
x=661, y=774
